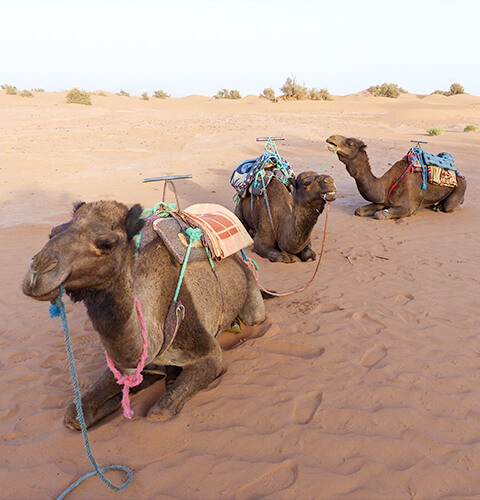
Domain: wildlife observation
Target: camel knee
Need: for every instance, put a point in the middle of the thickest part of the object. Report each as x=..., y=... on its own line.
x=253, y=311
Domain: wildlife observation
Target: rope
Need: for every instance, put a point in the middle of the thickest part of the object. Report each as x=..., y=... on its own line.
x=328, y=161
x=194, y=235
x=254, y=268
x=58, y=309
x=136, y=378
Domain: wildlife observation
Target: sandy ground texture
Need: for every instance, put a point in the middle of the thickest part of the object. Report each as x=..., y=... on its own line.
x=365, y=386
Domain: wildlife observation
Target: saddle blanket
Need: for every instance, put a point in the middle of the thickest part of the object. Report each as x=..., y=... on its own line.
x=265, y=166
x=440, y=169
x=221, y=227
x=222, y=232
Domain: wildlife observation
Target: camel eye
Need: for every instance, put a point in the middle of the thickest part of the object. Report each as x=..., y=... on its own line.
x=106, y=243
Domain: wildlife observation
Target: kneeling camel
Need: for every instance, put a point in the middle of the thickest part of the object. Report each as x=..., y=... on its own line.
x=92, y=256
x=285, y=231
x=407, y=196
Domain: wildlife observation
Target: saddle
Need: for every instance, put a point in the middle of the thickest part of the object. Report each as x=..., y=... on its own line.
x=439, y=170
x=222, y=232
x=253, y=176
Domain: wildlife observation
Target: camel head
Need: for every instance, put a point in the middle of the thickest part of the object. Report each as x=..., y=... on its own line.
x=346, y=148
x=86, y=253
x=312, y=188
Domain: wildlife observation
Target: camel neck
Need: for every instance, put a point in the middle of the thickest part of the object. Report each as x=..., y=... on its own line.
x=305, y=220
x=113, y=315
x=370, y=187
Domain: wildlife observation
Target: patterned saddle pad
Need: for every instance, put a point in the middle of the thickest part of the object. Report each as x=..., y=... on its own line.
x=222, y=232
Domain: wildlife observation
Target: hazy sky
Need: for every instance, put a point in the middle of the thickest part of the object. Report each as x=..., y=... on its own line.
x=199, y=47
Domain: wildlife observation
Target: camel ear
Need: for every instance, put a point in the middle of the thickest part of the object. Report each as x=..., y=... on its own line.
x=77, y=205
x=58, y=229
x=134, y=224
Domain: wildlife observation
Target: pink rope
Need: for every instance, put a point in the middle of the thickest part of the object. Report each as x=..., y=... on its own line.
x=136, y=378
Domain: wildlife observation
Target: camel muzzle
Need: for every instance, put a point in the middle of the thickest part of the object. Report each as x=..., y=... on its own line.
x=36, y=282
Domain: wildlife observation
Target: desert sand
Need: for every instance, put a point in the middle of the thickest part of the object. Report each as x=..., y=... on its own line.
x=364, y=386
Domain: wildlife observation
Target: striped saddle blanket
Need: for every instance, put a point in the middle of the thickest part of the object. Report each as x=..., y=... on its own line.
x=222, y=232
x=440, y=169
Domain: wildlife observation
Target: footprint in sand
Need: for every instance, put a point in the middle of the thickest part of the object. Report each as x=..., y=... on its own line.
x=369, y=324
x=290, y=349
x=403, y=299
x=21, y=357
x=278, y=478
x=305, y=407
x=373, y=356
x=326, y=307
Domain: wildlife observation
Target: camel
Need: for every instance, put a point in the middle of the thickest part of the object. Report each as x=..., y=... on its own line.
x=287, y=233
x=92, y=256
x=405, y=198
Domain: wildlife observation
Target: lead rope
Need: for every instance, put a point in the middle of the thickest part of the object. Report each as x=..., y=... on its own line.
x=254, y=268
x=58, y=309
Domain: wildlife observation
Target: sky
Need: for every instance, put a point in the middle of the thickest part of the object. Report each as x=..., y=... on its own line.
x=187, y=47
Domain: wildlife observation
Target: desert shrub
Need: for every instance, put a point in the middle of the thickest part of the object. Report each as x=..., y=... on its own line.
x=123, y=93
x=227, y=94
x=145, y=96
x=160, y=94
x=293, y=91
x=471, y=128
x=101, y=93
x=76, y=96
x=456, y=88
x=269, y=94
x=26, y=93
x=435, y=131
x=38, y=90
x=319, y=95
x=11, y=89
x=386, y=90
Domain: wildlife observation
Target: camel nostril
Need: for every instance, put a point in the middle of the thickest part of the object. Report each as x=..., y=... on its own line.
x=41, y=264
x=33, y=279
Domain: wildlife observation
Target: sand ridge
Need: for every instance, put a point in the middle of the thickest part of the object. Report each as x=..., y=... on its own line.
x=365, y=386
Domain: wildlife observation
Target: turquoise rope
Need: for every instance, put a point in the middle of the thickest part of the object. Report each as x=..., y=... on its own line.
x=194, y=235
x=58, y=309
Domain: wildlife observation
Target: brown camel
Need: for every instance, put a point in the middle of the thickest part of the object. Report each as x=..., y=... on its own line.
x=293, y=216
x=92, y=256
x=405, y=198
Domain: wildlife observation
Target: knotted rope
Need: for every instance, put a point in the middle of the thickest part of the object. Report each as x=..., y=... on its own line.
x=58, y=309
x=136, y=378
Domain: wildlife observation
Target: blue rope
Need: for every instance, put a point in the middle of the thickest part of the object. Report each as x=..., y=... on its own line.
x=58, y=309
x=194, y=235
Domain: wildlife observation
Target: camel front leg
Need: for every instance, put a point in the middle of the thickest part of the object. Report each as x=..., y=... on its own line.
x=193, y=378
x=270, y=252
x=369, y=210
x=393, y=213
x=101, y=399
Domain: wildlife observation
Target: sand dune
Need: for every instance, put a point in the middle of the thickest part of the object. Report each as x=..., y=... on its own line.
x=365, y=386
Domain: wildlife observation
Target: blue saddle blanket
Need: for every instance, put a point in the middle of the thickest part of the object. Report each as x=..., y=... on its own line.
x=442, y=160
x=253, y=172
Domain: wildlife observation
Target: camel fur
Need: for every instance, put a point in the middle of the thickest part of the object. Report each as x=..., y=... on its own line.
x=406, y=197
x=92, y=256
x=293, y=216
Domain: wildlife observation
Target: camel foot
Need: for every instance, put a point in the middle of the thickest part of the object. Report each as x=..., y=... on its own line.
x=307, y=254
x=368, y=210
x=91, y=415
x=281, y=257
x=161, y=412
